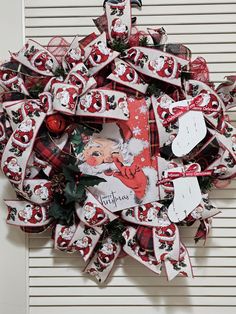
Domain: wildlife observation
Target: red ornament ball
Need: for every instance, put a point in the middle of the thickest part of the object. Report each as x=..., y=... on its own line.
x=144, y=238
x=55, y=123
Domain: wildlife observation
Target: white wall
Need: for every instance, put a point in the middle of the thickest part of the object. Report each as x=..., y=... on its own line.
x=13, y=256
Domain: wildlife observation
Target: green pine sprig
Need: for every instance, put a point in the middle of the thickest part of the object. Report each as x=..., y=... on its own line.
x=143, y=41
x=60, y=72
x=35, y=90
x=153, y=89
x=206, y=183
x=119, y=45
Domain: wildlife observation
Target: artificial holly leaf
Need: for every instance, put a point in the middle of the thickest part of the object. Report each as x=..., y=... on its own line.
x=88, y=180
x=73, y=192
x=68, y=173
x=76, y=138
x=63, y=214
x=72, y=168
x=55, y=210
x=79, y=148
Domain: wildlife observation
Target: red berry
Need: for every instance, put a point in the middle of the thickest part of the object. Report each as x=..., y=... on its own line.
x=55, y=123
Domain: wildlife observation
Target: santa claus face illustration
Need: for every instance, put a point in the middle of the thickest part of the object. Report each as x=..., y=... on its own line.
x=67, y=232
x=89, y=212
x=101, y=150
x=147, y=214
x=220, y=170
x=120, y=69
x=42, y=192
x=13, y=166
x=32, y=214
x=67, y=97
x=83, y=243
x=164, y=219
x=158, y=63
x=64, y=97
x=26, y=126
x=107, y=249
x=118, y=29
x=74, y=55
x=92, y=214
x=26, y=213
x=233, y=139
x=163, y=109
x=42, y=61
x=197, y=212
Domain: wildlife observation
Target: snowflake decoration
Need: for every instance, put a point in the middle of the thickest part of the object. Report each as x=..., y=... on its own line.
x=136, y=131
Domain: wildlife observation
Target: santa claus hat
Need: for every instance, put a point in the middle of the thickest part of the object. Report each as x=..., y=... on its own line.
x=120, y=129
x=9, y=159
x=38, y=186
x=88, y=239
x=90, y=204
x=168, y=186
x=114, y=22
x=172, y=165
x=121, y=101
x=193, y=167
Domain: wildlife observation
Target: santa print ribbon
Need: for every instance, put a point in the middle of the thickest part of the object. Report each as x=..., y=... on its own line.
x=37, y=191
x=102, y=262
x=157, y=64
x=84, y=241
x=93, y=214
x=37, y=58
x=124, y=74
x=119, y=20
x=98, y=55
x=12, y=81
x=19, y=147
x=26, y=214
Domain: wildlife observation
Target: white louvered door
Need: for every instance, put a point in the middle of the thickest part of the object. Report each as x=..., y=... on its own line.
x=56, y=282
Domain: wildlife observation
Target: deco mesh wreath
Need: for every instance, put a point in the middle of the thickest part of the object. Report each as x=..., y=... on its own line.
x=113, y=142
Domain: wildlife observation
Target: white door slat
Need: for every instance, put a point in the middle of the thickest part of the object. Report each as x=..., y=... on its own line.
x=146, y=10
x=112, y=291
x=82, y=31
x=171, y=29
x=134, y=309
x=130, y=272
x=77, y=262
x=92, y=3
x=138, y=281
x=130, y=300
x=156, y=19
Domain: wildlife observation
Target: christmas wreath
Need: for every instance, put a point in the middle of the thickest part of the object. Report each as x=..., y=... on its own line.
x=112, y=142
